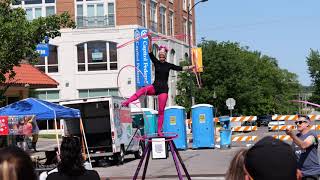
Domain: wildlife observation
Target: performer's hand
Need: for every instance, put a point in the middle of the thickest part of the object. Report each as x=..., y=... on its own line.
x=188, y=68
x=289, y=131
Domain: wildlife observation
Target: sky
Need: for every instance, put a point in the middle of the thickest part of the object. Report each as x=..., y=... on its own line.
x=283, y=29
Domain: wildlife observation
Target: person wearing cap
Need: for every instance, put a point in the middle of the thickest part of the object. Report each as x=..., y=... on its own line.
x=271, y=159
x=160, y=85
x=305, y=144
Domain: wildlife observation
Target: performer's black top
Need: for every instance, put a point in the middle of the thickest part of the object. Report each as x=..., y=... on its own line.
x=162, y=70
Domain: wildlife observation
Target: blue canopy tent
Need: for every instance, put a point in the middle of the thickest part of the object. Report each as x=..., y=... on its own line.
x=43, y=110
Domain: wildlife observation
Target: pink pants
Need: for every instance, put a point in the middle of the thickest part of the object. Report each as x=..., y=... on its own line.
x=162, y=100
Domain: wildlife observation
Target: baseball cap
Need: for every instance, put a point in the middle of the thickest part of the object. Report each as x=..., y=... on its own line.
x=271, y=158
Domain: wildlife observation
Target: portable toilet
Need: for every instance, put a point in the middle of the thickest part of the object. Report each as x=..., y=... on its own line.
x=151, y=121
x=202, y=126
x=225, y=132
x=150, y=118
x=175, y=122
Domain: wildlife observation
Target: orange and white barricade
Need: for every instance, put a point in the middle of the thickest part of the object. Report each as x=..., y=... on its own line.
x=239, y=119
x=314, y=117
x=285, y=117
x=241, y=139
x=285, y=137
x=244, y=128
x=281, y=127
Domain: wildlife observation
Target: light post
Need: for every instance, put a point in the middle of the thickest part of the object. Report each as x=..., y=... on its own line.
x=189, y=37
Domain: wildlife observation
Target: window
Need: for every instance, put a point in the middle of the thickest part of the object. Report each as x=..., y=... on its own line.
x=171, y=24
x=97, y=56
x=51, y=95
x=185, y=5
x=143, y=12
x=49, y=64
x=36, y=8
x=86, y=93
x=153, y=16
x=185, y=30
x=163, y=20
x=94, y=14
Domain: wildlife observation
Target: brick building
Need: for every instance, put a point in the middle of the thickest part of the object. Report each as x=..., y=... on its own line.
x=85, y=61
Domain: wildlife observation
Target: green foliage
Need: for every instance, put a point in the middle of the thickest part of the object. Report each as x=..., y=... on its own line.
x=19, y=37
x=255, y=81
x=313, y=61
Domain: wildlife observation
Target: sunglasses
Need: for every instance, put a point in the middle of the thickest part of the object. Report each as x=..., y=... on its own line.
x=300, y=122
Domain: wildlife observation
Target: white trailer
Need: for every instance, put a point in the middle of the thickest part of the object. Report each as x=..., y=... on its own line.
x=108, y=127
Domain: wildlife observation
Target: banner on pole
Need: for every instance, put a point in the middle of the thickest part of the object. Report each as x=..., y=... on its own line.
x=142, y=59
x=197, y=58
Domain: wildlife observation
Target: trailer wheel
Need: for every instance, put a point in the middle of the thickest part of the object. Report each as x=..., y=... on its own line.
x=120, y=156
x=138, y=154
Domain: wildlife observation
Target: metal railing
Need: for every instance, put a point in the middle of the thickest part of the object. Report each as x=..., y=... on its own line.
x=96, y=21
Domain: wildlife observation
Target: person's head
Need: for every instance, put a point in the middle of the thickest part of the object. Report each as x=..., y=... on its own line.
x=15, y=164
x=236, y=170
x=163, y=50
x=303, y=123
x=71, y=160
x=271, y=158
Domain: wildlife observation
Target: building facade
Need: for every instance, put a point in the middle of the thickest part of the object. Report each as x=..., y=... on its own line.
x=86, y=60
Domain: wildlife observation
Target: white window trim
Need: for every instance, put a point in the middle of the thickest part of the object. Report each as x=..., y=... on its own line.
x=145, y=12
x=43, y=6
x=86, y=64
x=85, y=4
x=172, y=11
x=165, y=18
x=46, y=64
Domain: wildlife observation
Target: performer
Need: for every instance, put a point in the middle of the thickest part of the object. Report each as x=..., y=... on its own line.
x=160, y=84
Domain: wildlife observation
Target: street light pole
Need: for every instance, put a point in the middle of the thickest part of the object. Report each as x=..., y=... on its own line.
x=189, y=37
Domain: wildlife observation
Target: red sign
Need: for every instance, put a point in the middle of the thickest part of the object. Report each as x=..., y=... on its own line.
x=4, y=128
x=125, y=116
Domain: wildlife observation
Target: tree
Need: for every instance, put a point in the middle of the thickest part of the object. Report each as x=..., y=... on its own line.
x=313, y=62
x=255, y=81
x=19, y=37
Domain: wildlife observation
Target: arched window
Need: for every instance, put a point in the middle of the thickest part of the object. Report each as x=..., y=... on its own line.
x=97, y=56
x=186, y=56
x=49, y=64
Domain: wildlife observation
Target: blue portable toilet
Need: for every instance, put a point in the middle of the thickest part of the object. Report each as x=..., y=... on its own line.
x=225, y=132
x=202, y=126
x=150, y=120
x=175, y=122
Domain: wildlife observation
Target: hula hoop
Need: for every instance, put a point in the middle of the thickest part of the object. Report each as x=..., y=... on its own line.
x=148, y=138
x=145, y=95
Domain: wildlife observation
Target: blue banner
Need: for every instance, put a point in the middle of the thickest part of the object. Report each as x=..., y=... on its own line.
x=43, y=50
x=142, y=59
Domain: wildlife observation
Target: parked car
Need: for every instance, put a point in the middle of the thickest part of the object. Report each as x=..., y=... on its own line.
x=263, y=120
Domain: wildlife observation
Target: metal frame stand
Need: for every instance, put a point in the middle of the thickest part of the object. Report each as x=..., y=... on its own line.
x=175, y=154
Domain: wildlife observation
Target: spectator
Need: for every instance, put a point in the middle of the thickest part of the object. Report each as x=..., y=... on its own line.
x=71, y=165
x=236, y=170
x=15, y=164
x=270, y=159
x=305, y=145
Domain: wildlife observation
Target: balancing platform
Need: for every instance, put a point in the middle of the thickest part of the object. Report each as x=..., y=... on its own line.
x=158, y=146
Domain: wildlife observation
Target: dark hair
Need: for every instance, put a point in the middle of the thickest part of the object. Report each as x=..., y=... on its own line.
x=16, y=164
x=236, y=167
x=71, y=162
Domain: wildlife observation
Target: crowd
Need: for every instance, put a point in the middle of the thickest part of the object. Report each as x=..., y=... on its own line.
x=16, y=164
x=268, y=159
x=272, y=159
